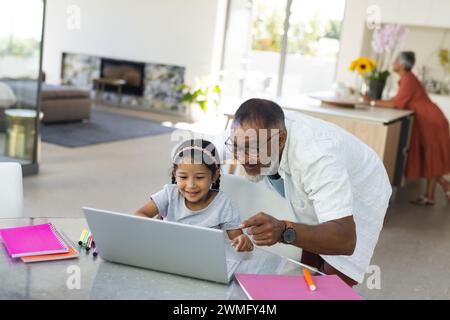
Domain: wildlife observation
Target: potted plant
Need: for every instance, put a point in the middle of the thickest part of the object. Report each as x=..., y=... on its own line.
x=385, y=43
x=375, y=72
x=200, y=100
x=444, y=60
x=377, y=82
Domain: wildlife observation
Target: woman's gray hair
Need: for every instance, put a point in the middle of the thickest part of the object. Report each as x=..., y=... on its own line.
x=408, y=59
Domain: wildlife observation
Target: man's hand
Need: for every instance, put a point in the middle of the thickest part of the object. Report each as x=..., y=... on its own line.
x=264, y=229
x=242, y=243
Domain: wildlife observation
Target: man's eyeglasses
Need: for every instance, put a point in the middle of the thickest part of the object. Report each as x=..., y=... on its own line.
x=249, y=150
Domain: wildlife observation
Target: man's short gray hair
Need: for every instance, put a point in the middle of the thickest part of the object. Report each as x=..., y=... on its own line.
x=408, y=59
x=266, y=113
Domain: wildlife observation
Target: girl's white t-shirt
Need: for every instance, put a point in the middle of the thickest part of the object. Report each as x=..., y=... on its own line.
x=221, y=213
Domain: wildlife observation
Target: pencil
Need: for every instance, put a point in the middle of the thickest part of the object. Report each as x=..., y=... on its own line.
x=309, y=280
x=83, y=233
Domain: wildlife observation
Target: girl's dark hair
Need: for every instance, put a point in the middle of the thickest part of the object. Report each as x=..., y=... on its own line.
x=198, y=151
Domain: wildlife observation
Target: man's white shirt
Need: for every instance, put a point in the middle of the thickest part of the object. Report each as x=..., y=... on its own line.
x=330, y=174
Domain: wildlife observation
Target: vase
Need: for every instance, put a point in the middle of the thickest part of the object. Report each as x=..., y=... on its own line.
x=361, y=86
x=376, y=87
x=358, y=86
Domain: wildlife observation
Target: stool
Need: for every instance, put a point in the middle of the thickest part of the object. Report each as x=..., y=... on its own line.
x=100, y=84
x=20, y=133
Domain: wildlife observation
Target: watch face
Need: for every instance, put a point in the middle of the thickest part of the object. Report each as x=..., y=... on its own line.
x=289, y=235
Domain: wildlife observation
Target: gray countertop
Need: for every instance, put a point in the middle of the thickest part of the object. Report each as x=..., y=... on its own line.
x=100, y=279
x=374, y=114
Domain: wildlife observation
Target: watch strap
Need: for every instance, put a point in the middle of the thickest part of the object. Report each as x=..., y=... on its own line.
x=289, y=225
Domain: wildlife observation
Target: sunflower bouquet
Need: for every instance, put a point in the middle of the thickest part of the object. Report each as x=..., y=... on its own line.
x=367, y=68
x=363, y=66
x=374, y=80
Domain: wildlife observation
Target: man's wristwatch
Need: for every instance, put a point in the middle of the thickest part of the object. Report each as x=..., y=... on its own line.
x=288, y=236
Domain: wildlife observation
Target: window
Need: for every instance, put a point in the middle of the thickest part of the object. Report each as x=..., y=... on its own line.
x=259, y=61
x=21, y=25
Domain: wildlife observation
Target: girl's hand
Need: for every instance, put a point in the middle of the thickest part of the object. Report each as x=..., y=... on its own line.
x=242, y=243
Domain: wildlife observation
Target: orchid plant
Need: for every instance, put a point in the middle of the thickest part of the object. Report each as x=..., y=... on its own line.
x=385, y=42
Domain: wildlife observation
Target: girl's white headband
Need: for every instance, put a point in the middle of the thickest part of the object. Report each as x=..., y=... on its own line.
x=207, y=152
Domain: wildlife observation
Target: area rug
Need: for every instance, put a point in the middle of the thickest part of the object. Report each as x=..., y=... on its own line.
x=101, y=128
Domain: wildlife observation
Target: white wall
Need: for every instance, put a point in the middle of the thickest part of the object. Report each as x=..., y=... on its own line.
x=177, y=32
x=426, y=42
x=352, y=39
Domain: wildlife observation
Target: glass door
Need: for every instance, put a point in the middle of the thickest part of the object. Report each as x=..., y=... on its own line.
x=312, y=47
x=21, y=38
x=281, y=49
x=252, y=48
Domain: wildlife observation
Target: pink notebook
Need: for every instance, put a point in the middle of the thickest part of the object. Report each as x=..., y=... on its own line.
x=287, y=287
x=32, y=240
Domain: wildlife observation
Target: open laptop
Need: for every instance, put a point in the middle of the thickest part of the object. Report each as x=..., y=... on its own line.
x=161, y=245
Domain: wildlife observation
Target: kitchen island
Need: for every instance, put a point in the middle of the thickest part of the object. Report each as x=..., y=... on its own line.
x=387, y=131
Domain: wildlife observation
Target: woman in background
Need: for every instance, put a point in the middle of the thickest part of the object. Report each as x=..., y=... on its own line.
x=429, y=152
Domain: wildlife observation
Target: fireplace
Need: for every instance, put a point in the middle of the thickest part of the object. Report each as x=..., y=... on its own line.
x=151, y=86
x=130, y=71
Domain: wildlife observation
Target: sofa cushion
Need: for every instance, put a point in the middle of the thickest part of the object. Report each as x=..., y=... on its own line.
x=62, y=92
x=7, y=96
x=62, y=110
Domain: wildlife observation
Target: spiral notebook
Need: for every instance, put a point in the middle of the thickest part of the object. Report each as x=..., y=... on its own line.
x=73, y=252
x=32, y=240
x=290, y=287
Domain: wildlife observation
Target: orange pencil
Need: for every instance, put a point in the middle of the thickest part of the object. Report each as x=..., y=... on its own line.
x=309, y=280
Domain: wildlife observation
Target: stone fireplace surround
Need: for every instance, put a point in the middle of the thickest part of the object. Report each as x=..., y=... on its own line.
x=160, y=82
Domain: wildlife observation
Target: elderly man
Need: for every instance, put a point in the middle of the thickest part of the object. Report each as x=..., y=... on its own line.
x=337, y=186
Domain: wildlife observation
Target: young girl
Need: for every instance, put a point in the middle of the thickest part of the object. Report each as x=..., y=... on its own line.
x=194, y=196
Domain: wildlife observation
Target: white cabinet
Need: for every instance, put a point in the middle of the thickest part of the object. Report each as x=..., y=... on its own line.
x=414, y=12
x=430, y=13
x=440, y=13
x=388, y=9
